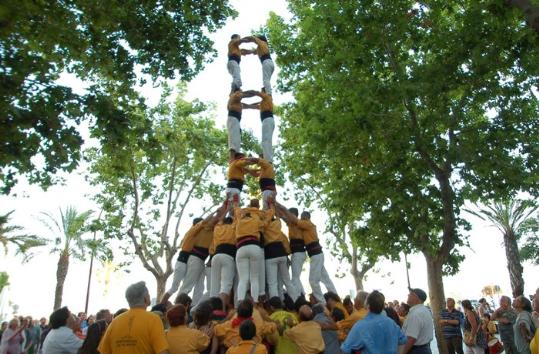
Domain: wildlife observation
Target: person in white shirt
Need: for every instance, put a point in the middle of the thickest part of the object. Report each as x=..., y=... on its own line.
x=419, y=326
x=61, y=339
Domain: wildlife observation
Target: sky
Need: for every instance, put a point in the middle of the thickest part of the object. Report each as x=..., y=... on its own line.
x=32, y=284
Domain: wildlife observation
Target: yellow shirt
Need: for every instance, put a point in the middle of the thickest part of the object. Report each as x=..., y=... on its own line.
x=183, y=340
x=230, y=336
x=204, y=237
x=266, y=169
x=234, y=48
x=347, y=324
x=223, y=233
x=294, y=232
x=234, y=101
x=266, y=105
x=286, y=243
x=262, y=47
x=272, y=232
x=246, y=347
x=251, y=221
x=188, y=241
x=136, y=331
x=534, y=344
x=236, y=169
x=307, y=336
x=308, y=230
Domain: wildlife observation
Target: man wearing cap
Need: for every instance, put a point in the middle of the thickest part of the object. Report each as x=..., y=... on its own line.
x=418, y=327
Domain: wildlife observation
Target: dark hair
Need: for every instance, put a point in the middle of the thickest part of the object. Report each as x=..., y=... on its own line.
x=467, y=304
x=300, y=301
x=197, y=220
x=347, y=301
x=288, y=303
x=216, y=303
x=228, y=220
x=487, y=315
x=119, y=312
x=391, y=313
x=59, y=317
x=526, y=303
x=306, y=317
x=375, y=301
x=176, y=315
x=247, y=330
x=159, y=307
x=318, y=308
x=482, y=300
x=337, y=314
x=294, y=211
x=245, y=309
x=183, y=299
x=332, y=296
x=306, y=214
x=203, y=314
x=101, y=314
x=405, y=306
x=276, y=302
x=262, y=37
x=234, y=36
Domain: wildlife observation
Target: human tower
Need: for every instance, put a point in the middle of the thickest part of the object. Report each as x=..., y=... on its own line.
x=247, y=249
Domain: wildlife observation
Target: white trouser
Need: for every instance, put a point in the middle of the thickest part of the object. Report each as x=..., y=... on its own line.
x=268, y=125
x=261, y=275
x=326, y=280
x=248, y=262
x=297, y=260
x=234, y=70
x=234, y=133
x=266, y=196
x=222, y=274
x=267, y=71
x=179, y=273
x=195, y=272
x=277, y=269
x=316, y=273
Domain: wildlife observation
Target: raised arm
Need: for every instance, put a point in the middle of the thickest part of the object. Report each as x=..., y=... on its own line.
x=214, y=217
x=285, y=214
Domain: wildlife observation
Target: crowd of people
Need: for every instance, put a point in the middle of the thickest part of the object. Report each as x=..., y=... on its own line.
x=366, y=324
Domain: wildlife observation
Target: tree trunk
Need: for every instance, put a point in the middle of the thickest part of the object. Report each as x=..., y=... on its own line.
x=358, y=279
x=61, y=274
x=436, y=296
x=513, y=264
x=161, y=286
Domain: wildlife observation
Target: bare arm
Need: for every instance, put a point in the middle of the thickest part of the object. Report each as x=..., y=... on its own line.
x=409, y=344
x=285, y=214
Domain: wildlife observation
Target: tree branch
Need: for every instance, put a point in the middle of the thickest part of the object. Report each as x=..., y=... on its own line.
x=531, y=12
x=169, y=208
x=140, y=254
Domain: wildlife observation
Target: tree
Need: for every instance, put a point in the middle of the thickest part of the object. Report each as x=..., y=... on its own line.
x=510, y=216
x=4, y=281
x=23, y=243
x=68, y=233
x=167, y=171
x=529, y=10
x=104, y=43
x=403, y=111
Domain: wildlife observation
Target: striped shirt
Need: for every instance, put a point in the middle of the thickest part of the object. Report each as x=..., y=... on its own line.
x=450, y=330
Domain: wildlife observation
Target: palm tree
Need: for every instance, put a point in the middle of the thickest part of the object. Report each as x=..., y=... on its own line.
x=69, y=230
x=509, y=216
x=10, y=235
